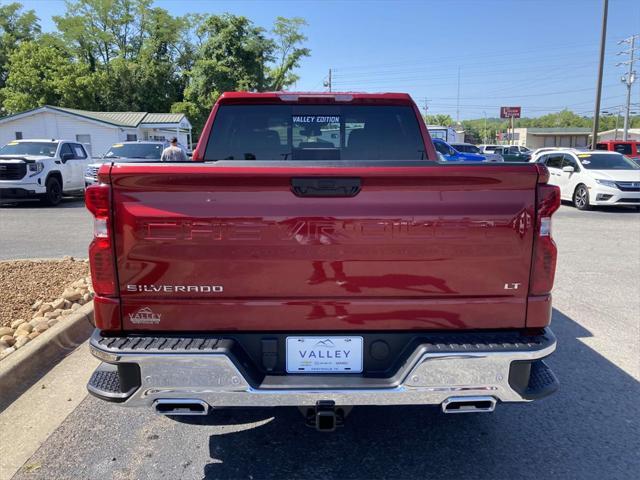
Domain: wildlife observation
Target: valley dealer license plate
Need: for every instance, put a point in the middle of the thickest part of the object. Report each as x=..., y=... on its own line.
x=324, y=354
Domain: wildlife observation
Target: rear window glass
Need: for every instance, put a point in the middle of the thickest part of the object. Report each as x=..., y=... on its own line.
x=465, y=148
x=607, y=161
x=315, y=132
x=442, y=148
x=624, y=148
x=135, y=151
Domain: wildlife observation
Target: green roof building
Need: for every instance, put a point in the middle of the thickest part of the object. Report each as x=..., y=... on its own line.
x=96, y=130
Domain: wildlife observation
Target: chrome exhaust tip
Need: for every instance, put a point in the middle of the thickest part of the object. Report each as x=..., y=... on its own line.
x=180, y=406
x=469, y=405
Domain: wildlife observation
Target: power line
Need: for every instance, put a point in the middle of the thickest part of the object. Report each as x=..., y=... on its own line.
x=426, y=80
x=535, y=52
x=435, y=70
x=431, y=66
x=537, y=107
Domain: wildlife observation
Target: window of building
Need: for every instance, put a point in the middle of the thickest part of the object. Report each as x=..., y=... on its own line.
x=132, y=137
x=85, y=139
x=18, y=135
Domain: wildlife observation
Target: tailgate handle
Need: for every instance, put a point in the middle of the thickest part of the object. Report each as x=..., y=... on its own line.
x=325, y=187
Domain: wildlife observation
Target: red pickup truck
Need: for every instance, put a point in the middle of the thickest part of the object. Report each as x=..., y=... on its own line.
x=629, y=148
x=316, y=254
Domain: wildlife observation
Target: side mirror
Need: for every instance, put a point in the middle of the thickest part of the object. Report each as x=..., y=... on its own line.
x=568, y=169
x=66, y=156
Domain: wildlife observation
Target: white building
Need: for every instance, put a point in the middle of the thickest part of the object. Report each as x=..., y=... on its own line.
x=96, y=130
x=633, y=134
x=448, y=134
x=551, y=137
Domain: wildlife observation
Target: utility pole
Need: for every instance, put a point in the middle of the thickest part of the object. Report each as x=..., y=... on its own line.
x=628, y=80
x=596, y=112
x=511, y=139
x=458, y=101
x=607, y=113
x=426, y=109
x=484, y=137
x=327, y=82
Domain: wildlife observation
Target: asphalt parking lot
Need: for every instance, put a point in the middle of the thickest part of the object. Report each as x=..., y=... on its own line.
x=588, y=429
x=30, y=230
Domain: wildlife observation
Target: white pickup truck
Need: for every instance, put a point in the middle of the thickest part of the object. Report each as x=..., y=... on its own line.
x=44, y=169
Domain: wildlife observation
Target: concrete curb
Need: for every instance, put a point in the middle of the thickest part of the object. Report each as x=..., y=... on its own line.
x=27, y=365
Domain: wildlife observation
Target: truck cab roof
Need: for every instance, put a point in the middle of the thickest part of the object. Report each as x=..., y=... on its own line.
x=316, y=97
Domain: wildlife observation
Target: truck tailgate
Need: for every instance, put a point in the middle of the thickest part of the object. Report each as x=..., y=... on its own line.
x=209, y=247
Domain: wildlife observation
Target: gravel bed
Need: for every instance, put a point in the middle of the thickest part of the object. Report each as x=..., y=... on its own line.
x=36, y=295
x=24, y=282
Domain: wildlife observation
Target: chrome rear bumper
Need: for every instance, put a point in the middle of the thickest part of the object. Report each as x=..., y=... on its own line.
x=429, y=377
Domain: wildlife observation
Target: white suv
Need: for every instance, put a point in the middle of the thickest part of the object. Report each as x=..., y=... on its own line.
x=589, y=178
x=44, y=169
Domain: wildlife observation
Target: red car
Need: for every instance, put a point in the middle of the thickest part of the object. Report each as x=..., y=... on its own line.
x=316, y=254
x=629, y=148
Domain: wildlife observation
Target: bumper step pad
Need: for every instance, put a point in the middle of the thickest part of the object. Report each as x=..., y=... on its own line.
x=437, y=342
x=105, y=384
x=542, y=381
x=150, y=344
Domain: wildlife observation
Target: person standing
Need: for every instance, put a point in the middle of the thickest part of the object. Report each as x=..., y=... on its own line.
x=173, y=153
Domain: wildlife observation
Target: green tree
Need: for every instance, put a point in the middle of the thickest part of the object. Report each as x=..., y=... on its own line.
x=439, y=119
x=15, y=27
x=234, y=54
x=562, y=119
x=288, y=53
x=128, y=55
x=42, y=73
x=231, y=56
x=101, y=30
x=477, y=132
x=135, y=52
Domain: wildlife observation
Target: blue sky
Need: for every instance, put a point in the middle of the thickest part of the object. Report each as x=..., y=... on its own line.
x=540, y=54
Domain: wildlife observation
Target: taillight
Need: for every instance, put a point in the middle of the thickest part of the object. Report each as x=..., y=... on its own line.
x=101, y=260
x=545, y=252
x=96, y=198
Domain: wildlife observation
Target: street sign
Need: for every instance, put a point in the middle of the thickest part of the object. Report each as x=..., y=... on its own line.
x=509, y=112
